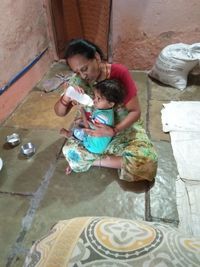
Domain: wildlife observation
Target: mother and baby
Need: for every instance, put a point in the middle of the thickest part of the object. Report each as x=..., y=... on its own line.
x=112, y=135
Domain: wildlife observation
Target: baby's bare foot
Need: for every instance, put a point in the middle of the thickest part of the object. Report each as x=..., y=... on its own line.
x=65, y=133
x=68, y=170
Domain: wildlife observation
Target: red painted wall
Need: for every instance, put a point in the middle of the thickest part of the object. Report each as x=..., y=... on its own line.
x=140, y=29
x=24, y=35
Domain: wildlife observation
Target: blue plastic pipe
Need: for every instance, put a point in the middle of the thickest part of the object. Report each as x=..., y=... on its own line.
x=22, y=72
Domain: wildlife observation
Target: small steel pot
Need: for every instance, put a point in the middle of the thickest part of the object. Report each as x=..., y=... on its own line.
x=13, y=139
x=28, y=150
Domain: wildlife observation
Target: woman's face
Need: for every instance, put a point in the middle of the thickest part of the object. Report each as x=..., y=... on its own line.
x=87, y=69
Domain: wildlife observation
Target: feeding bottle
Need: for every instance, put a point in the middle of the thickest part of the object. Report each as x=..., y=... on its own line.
x=83, y=99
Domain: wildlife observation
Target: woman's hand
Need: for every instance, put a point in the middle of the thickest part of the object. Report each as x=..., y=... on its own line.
x=100, y=130
x=65, y=103
x=68, y=100
x=67, y=97
x=77, y=88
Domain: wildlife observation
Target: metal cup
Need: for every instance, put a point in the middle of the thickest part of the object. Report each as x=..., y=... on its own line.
x=28, y=150
x=13, y=139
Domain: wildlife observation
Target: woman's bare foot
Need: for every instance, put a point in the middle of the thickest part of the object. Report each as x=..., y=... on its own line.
x=65, y=133
x=68, y=170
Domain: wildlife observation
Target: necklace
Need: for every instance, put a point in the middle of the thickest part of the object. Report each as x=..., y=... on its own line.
x=100, y=74
x=107, y=74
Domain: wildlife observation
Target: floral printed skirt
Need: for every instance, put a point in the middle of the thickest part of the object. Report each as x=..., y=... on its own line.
x=139, y=159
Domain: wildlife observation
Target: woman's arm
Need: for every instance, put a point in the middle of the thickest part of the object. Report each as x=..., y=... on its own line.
x=63, y=106
x=134, y=113
x=65, y=103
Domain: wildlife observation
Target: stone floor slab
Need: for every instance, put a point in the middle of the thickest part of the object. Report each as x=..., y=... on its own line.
x=167, y=93
x=97, y=192
x=12, y=209
x=163, y=193
x=155, y=124
x=37, y=111
x=20, y=174
x=56, y=68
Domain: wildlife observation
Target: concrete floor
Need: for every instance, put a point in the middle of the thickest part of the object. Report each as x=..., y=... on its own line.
x=35, y=193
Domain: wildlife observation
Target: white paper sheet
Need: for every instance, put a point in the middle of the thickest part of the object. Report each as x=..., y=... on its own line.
x=186, y=150
x=182, y=120
x=188, y=205
x=181, y=116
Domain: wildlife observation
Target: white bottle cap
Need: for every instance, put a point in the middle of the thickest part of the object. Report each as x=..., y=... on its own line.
x=83, y=99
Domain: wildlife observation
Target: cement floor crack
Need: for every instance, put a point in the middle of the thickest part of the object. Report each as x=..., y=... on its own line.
x=29, y=217
x=23, y=194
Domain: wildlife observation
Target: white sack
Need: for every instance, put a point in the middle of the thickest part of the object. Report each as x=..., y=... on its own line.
x=174, y=63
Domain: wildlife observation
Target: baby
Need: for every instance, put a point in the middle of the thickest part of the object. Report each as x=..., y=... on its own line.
x=107, y=94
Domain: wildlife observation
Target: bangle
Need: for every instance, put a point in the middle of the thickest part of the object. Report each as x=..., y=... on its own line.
x=115, y=131
x=63, y=102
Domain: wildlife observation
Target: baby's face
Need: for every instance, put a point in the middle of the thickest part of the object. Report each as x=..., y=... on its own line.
x=101, y=102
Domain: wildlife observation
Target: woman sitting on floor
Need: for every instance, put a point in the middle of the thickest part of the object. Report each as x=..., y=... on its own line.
x=130, y=150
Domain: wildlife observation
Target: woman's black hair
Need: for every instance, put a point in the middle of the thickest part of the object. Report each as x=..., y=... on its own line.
x=82, y=47
x=112, y=90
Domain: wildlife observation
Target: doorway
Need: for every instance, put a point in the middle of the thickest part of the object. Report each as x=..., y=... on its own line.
x=87, y=19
